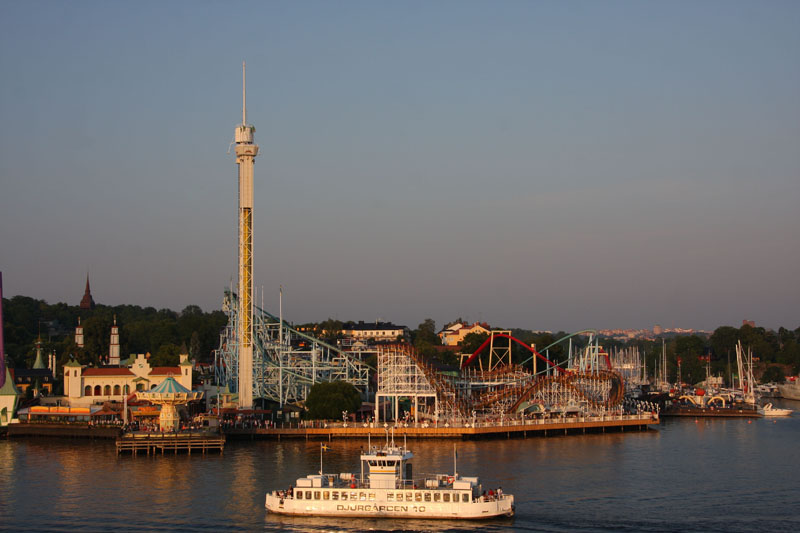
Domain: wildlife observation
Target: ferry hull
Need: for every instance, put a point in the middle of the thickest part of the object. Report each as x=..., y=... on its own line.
x=378, y=509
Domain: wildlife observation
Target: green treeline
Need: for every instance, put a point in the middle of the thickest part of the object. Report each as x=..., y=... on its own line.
x=162, y=333
x=165, y=334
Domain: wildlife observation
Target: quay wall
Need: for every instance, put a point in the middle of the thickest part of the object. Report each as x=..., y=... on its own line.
x=64, y=430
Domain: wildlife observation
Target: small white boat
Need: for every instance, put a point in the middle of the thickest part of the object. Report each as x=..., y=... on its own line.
x=768, y=410
x=390, y=491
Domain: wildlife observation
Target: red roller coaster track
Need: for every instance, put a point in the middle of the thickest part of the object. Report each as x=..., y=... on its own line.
x=532, y=350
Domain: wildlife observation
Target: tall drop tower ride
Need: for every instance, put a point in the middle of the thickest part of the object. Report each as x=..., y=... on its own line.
x=246, y=152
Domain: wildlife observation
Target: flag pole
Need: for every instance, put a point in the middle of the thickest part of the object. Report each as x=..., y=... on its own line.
x=455, y=461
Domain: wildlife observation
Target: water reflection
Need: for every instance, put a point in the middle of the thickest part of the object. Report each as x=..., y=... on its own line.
x=716, y=475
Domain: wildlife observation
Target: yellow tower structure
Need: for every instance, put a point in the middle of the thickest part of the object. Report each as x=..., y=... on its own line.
x=246, y=152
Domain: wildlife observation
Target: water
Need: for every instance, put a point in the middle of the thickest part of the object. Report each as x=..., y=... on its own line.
x=709, y=475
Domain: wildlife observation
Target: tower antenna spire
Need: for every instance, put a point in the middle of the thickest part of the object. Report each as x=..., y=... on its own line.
x=244, y=95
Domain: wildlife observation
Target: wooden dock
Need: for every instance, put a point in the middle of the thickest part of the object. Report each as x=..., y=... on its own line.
x=507, y=429
x=174, y=443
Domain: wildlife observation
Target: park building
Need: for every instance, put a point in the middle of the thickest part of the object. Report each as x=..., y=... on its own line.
x=89, y=385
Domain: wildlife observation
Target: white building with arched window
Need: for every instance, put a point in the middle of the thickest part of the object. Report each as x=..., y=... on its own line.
x=85, y=386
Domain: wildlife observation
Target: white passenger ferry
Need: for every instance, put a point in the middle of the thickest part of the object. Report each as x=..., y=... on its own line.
x=389, y=490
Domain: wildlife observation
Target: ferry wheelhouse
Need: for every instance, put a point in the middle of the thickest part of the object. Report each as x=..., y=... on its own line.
x=386, y=487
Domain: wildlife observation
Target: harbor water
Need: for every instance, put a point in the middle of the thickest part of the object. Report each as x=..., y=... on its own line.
x=689, y=475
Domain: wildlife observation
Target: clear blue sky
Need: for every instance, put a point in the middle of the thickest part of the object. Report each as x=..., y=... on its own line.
x=545, y=165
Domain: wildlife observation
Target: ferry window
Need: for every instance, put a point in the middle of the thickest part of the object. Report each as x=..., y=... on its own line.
x=446, y=497
x=308, y=495
x=326, y=495
x=362, y=496
x=335, y=495
x=465, y=497
x=344, y=496
x=316, y=495
x=353, y=496
x=427, y=496
x=399, y=496
x=390, y=497
x=371, y=496
x=417, y=496
x=299, y=494
x=436, y=496
x=409, y=496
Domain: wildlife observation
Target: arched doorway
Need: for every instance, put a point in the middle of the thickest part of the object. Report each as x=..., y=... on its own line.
x=97, y=390
x=107, y=390
x=87, y=390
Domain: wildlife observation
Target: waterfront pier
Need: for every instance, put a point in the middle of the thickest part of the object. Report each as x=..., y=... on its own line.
x=544, y=427
x=174, y=443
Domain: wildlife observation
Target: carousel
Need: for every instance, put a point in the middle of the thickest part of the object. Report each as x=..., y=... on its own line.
x=169, y=394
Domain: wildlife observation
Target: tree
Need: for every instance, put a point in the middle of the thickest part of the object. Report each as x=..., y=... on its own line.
x=773, y=374
x=331, y=330
x=167, y=355
x=689, y=349
x=426, y=333
x=327, y=400
x=723, y=341
x=194, y=346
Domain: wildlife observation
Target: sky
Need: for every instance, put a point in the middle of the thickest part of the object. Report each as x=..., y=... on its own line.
x=535, y=164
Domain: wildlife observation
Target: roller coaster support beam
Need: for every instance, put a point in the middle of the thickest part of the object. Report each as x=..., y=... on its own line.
x=532, y=350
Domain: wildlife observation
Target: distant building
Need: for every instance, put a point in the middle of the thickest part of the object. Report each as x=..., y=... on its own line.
x=39, y=378
x=454, y=334
x=87, y=302
x=657, y=329
x=379, y=331
x=751, y=323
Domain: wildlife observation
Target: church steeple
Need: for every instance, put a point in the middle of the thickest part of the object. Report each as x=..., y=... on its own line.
x=39, y=363
x=87, y=302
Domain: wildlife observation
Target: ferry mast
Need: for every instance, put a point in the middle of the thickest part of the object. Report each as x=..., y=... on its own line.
x=246, y=152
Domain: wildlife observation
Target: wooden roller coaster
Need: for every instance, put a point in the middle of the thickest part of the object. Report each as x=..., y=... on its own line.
x=589, y=385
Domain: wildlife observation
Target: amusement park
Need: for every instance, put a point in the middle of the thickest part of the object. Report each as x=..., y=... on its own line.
x=404, y=385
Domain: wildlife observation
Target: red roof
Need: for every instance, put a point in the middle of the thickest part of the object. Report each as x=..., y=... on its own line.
x=107, y=372
x=165, y=371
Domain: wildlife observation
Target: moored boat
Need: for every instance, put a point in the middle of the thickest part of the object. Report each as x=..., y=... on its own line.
x=769, y=410
x=390, y=491
x=791, y=389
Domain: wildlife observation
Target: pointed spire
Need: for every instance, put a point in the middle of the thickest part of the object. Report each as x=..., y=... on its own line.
x=87, y=302
x=39, y=363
